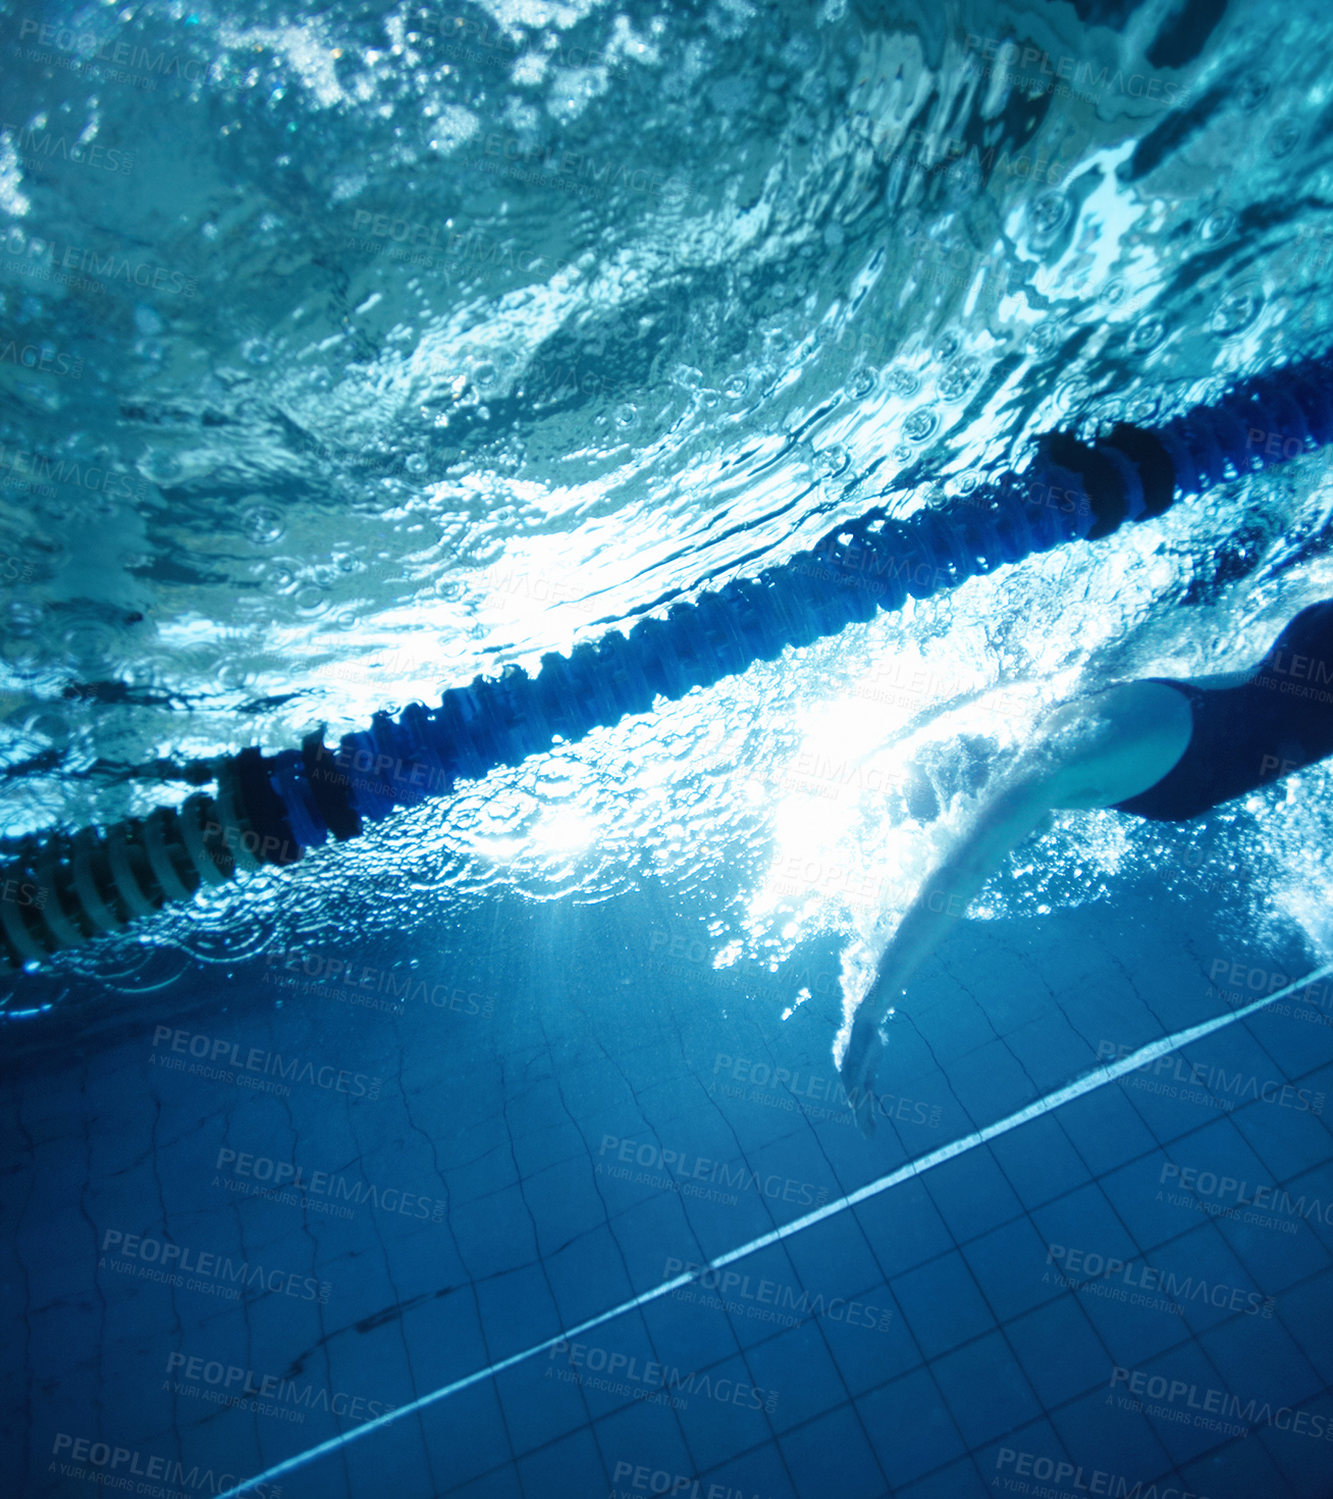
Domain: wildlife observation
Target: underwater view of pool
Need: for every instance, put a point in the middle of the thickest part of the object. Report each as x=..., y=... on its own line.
x=738, y=426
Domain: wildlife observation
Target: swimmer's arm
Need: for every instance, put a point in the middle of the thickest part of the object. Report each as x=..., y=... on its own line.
x=1003, y=822
x=1092, y=753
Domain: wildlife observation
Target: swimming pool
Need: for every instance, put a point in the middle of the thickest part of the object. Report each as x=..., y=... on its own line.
x=501, y=1151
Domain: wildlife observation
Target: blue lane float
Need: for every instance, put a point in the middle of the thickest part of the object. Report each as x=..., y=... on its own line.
x=270, y=808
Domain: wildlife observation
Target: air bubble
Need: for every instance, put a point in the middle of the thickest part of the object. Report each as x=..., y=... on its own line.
x=901, y=383
x=830, y=462
x=1283, y=139
x=311, y=600
x=1047, y=217
x=1146, y=334
x=1235, y=312
x=959, y=378
x=262, y=525
x=1217, y=226
x=162, y=467
x=1253, y=91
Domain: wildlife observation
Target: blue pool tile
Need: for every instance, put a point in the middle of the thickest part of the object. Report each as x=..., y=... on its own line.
x=1260, y=1362
x=516, y=1309
x=539, y=1405
x=1297, y=1441
x=1238, y=1469
x=1277, y=1251
x=760, y=1471
x=871, y=1343
x=1133, y=1323
x=1200, y=1275
x=1038, y=1161
x=1306, y=1312
x=1105, y=1128
x=723, y=1410
x=1147, y=1196
x=991, y=1082
x=1100, y=1435
x=984, y=1388
x=911, y=1427
x=1296, y=1047
x=833, y=1258
x=972, y=1194
x=1059, y=1351
x=1013, y=1457
x=1181, y=1400
x=941, y=1304
x=644, y=1434
x=1052, y=1052
x=688, y=1335
x=798, y=1365
x=1007, y=1263
x=903, y=1227
x=1286, y=1141
x=807, y=1452
x=610, y=1365
x=1080, y=1224
x=570, y=1467
x=1307, y=1199
x=958, y=1480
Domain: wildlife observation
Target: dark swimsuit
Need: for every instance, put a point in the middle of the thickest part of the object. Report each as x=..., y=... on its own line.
x=1278, y=720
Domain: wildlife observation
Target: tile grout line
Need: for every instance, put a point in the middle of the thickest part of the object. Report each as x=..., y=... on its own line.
x=1090, y=1081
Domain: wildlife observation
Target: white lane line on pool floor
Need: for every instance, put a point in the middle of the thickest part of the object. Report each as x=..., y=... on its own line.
x=1090, y=1081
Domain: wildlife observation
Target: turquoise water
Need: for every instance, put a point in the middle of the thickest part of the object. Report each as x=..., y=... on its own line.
x=347, y=356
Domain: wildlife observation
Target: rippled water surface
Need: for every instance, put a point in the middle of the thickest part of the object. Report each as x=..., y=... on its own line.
x=350, y=358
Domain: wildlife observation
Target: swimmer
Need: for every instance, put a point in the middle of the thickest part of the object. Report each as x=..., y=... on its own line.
x=1159, y=748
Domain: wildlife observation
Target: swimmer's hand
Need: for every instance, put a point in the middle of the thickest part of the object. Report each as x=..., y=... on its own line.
x=860, y=1062
x=1092, y=752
